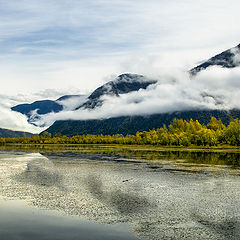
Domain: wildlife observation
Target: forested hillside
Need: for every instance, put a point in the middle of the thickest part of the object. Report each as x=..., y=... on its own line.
x=131, y=125
x=178, y=133
x=6, y=133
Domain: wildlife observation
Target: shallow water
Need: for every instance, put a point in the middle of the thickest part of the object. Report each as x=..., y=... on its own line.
x=104, y=193
x=19, y=221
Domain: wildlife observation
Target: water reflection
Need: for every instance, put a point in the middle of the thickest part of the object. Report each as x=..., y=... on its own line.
x=157, y=201
x=221, y=216
x=41, y=172
x=20, y=222
x=114, y=152
x=125, y=203
x=229, y=229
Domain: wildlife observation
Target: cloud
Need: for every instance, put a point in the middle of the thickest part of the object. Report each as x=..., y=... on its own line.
x=16, y=121
x=48, y=43
x=13, y=120
x=72, y=103
x=215, y=88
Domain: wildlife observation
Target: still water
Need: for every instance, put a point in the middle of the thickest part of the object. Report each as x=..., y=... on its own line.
x=107, y=192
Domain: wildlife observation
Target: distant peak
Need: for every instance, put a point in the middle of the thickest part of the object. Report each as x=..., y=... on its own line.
x=227, y=59
x=129, y=75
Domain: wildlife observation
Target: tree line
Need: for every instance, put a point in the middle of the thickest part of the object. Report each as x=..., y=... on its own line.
x=178, y=133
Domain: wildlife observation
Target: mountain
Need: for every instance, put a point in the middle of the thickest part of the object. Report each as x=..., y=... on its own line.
x=123, y=84
x=6, y=133
x=39, y=107
x=227, y=59
x=33, y=110
x=132, y=124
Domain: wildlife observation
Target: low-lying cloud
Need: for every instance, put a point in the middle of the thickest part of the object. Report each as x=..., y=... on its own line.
x=214, y=88
x=72, y=103
x=16, y=121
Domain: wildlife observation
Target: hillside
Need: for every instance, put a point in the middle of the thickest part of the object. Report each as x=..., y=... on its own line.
x=131, y=125
x=6, y=133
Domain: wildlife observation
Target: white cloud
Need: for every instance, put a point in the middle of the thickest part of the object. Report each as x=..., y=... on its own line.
x=16, y=121
x=215, y=88
x=72, y=103
x=78, y=43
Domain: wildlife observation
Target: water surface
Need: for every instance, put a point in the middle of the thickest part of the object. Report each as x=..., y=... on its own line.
x=100, y=192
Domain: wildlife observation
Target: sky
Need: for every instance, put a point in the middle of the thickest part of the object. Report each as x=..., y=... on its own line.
x=54, y=47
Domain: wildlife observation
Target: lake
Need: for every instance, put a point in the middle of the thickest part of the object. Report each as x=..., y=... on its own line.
x=114, y=192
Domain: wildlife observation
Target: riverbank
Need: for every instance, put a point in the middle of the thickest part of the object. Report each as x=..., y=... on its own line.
x=123, y=146
x=175, y=157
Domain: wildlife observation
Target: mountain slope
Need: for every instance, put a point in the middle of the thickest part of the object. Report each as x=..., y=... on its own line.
x=126, y=83
x=130, y=125
x=40, y=107
x=66, y=97
x=227, y=59
x=33, y=110
x=123, y=84
x=6, y=133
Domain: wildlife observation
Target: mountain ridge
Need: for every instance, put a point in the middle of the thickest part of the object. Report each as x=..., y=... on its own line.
x=229, y=58
x=41, y=107
x=123, y=84
x=129, y=82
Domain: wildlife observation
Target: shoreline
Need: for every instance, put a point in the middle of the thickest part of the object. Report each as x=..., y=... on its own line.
x=145, y=147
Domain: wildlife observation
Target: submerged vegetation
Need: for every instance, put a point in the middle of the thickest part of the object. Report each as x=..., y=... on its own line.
x=178, y=133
